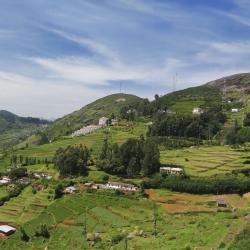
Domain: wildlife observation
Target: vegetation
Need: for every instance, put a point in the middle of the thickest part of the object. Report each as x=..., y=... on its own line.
x=134, y=157
x=72, y=160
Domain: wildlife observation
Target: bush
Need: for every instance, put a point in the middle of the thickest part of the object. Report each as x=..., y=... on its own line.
x=117, y=238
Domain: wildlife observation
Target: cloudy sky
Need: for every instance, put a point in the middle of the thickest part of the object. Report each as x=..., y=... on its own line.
x=58, y=55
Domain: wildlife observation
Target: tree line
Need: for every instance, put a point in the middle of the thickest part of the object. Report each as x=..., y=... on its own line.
x=220, y=184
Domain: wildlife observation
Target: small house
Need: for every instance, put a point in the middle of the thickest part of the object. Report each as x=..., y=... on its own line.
x=197, y=111
x=235, y=110
x=24, y=181
x=5, y=180
x=71, y=190
x=169, y=170
x=7, y=230
x=221, y=203
x=121, y=186
x=103, y=121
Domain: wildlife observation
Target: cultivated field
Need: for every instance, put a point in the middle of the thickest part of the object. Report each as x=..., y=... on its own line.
x=111, y=216
x=206, y=161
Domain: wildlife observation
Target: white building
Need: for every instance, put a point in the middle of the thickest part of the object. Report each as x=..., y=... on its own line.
x=170, y=170
x=121, y=186
x=103, y=121
x=5, y=180
x=197, y=111
x=7, y=230
x=71, y=190
x=235, y=110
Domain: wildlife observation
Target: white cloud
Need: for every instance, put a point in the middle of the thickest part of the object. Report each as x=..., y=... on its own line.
x=43, y=98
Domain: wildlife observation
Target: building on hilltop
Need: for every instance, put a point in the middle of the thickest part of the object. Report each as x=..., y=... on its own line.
x=197, y=111
x=103, y=121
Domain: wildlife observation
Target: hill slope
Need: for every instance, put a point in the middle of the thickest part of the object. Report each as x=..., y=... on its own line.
x=237, y=82
x=91, y=113
x=14, y=129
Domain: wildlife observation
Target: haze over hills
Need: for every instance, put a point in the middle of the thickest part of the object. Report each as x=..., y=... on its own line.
x=14, y=128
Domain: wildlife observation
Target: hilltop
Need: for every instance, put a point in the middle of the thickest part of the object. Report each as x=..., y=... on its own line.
x=91, y=113
x=238, y=82
x=14, y=128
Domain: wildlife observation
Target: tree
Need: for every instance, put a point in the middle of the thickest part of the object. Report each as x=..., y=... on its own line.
x=44, y=231
x=246, y=121
x=132, y=166
x=24, y=235
x=58, y=191
x=72, y=160
x=151, y=161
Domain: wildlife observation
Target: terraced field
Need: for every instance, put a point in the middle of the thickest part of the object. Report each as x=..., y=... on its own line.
x=206, y=161
x=24, y=207
x=112, y=216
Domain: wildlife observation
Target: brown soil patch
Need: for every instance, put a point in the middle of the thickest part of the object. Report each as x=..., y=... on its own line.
x=183, y=202
x=247, y=196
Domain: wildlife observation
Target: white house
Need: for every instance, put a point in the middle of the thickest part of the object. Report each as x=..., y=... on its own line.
x=7, y=230
x=121, y=186
x=71, y=190
x=235, y=110
x=197, y=111
x=170, y=170
x=103, y=121
x=5, y=180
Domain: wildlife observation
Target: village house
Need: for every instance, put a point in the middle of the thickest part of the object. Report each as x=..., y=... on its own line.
x=71, y=190
x=197, y=111
x=121, y=186
x=40, y=175
x=235, y=110
x=169, y=170
x=103, y=121
x=5, y=180
x=221, y=203
x=7, y=230
x=24, y=181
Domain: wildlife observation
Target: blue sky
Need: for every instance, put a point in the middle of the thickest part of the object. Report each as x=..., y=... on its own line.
x=58, y=55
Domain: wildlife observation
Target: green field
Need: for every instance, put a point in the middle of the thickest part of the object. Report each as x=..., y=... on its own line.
x=112, y=215
x=94, y=141
x=206, y=161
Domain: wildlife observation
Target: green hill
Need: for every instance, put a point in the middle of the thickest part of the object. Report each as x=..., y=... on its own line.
x=14, y=129
x=90, y=114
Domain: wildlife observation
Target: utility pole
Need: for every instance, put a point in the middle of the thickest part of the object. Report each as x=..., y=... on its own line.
x=155, y=219
x=85, y=223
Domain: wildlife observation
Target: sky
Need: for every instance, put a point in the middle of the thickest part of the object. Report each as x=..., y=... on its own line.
x=58, y=55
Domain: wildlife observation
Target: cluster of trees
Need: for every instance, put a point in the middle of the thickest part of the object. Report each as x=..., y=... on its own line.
x=222, y=184
x=204, y=126
x=26, y=161
x=134, y=157
x=237, y=134
x=72, y=160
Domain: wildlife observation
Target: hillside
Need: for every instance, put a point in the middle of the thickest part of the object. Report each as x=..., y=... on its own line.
x=237, y=82
x=91, y=113
x=14, y=129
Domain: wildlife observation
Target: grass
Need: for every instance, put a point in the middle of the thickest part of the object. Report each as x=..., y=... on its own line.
x=94, y=141
x=112, y=215
x=206, y=161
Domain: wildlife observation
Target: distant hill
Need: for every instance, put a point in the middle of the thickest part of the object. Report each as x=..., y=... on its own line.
x=14, y=129
x=90, y=114
x=238, y=82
